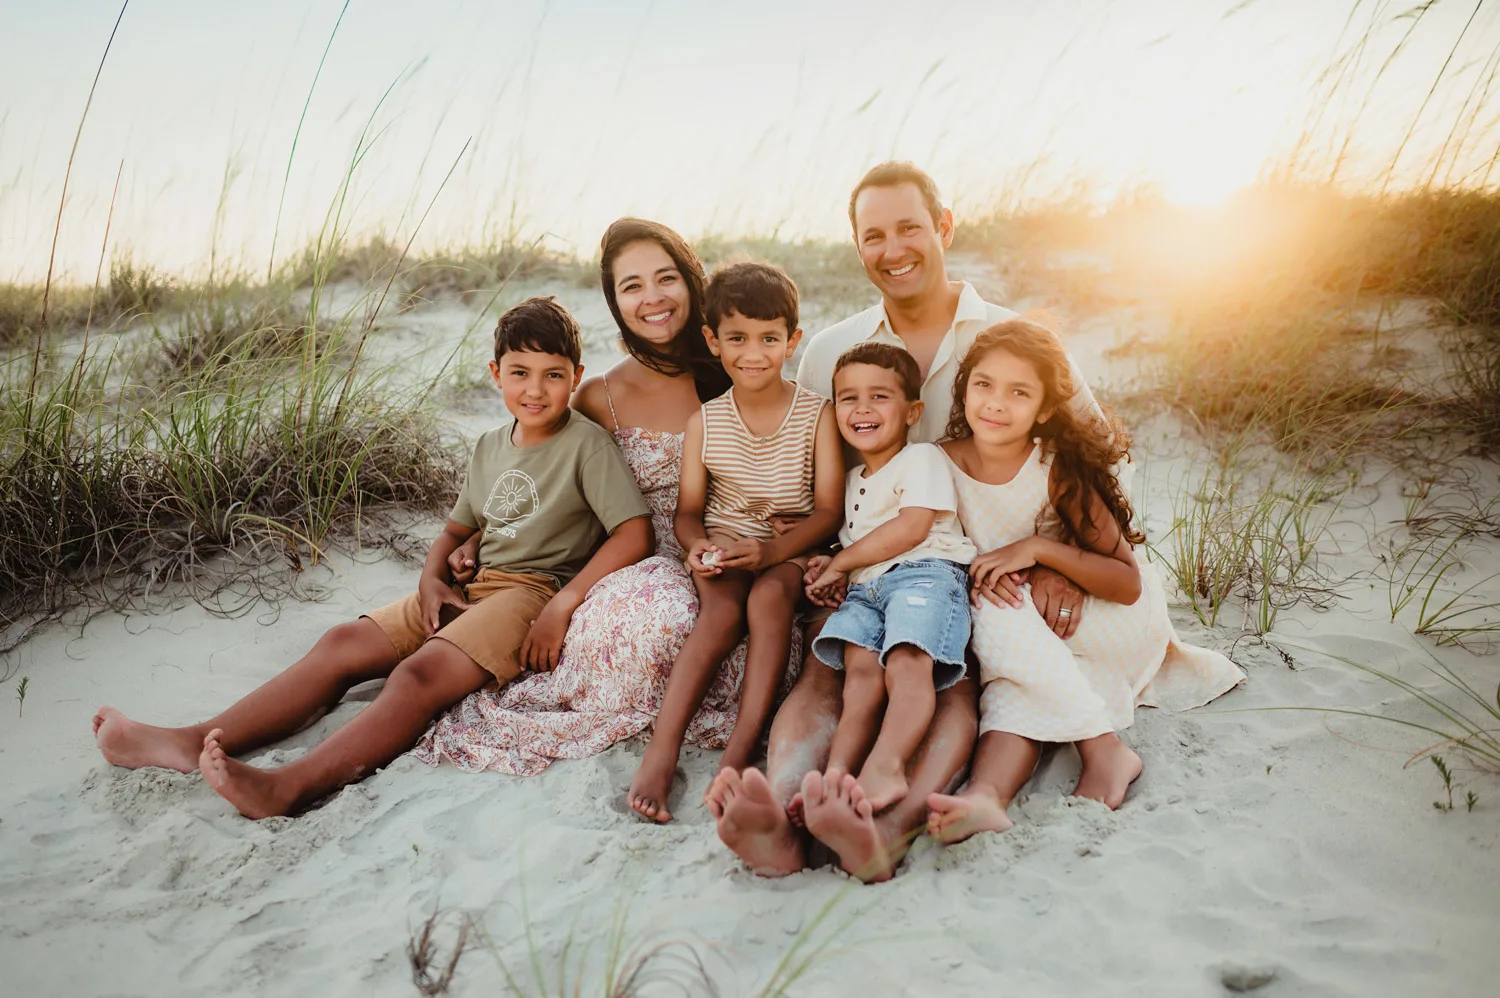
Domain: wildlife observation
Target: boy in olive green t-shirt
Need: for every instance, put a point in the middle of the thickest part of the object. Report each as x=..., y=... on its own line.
x=544, y=490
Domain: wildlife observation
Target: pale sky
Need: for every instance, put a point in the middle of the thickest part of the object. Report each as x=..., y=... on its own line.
x=739, y=118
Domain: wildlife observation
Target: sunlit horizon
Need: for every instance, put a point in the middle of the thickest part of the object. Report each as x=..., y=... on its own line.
x=557, y=118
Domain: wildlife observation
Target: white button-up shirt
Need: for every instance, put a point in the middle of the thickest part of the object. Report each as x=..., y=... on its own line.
x=973, y=316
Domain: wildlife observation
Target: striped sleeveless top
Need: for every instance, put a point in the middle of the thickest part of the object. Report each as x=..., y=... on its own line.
x=750, y=478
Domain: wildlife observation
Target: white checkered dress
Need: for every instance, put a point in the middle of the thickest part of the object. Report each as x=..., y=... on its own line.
x=1121, y=657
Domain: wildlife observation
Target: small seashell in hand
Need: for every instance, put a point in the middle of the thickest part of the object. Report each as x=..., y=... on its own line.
x=709, y=558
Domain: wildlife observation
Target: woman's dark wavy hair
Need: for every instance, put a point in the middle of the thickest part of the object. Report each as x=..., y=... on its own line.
x=1084, y=450
x=688, y=353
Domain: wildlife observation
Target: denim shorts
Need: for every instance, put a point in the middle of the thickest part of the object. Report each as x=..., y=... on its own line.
x=923, y=603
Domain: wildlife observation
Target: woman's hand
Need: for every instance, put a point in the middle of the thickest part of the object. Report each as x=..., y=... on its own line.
x=696, y=564
x=463, y=562
x=433, y=595
x=543, y=645
x=989, y=568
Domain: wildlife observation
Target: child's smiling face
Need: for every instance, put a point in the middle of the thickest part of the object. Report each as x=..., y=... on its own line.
x=1004, y=399
x=752, y=351
x=536, y=386
x=873, y=411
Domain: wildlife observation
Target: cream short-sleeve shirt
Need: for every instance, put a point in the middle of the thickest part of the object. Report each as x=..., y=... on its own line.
x=916, y=477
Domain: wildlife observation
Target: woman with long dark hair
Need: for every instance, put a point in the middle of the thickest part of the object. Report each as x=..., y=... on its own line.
x=623, y=638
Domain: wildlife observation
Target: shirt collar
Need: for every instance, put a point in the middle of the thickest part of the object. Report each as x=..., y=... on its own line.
x=971, y=307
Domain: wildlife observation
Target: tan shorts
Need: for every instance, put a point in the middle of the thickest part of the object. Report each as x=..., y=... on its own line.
x=491, y=632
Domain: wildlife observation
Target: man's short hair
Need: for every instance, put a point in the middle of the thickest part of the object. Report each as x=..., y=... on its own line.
x=539, y=325
x=893, y=174
x=753, y=289
x=892, y=358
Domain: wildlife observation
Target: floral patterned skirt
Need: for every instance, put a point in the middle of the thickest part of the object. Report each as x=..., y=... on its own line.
x=607, y=687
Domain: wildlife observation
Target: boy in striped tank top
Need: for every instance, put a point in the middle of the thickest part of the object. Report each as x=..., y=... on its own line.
x=765, y=448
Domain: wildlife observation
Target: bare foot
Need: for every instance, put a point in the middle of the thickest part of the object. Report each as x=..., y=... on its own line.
x=1109, y=768
x=841, y=818
x=255, y=793
x=883, y=785
x=953, y=818
x=132, y=745
x=652, y=783
x=735, y=757
x=753, y=825
x=794, y=811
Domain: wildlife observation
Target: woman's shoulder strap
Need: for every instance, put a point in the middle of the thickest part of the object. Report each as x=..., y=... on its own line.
x=604, y=380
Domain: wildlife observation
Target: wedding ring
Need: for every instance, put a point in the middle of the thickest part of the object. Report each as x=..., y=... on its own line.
x=1065, y=612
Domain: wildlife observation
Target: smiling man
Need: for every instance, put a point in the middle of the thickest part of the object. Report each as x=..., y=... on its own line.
x=901, y=231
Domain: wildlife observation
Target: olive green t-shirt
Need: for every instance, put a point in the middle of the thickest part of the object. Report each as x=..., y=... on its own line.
x=544, y=509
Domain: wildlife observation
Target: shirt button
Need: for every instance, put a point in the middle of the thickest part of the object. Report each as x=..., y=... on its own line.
x=856, y=505
x=851, y=524
x=861, y=491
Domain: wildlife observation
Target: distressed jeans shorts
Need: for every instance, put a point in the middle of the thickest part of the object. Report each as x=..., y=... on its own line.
x=924, y=603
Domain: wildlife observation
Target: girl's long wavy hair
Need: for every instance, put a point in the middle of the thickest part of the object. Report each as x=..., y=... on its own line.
x=688, y=353
x=1084, y=450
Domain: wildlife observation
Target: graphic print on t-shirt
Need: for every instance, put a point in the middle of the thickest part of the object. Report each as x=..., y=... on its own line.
x=513, y=498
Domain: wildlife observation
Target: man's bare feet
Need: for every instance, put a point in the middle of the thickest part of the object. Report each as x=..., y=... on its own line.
x=1109, y=768
x=132, y=745
x=840, y=817
x=753, y=825
x=883, y=784
x=255, y=793
x=652, y=783
x=955, y=817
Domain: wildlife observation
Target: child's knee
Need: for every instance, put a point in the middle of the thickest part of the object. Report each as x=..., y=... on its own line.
x=773, y=593
x=908, y=658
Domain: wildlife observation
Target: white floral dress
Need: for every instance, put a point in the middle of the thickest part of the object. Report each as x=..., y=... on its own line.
x=1121, y=657
x=621, y=643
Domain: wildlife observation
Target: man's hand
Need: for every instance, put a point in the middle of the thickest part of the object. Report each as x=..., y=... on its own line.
x=463, y=562
x=695, y=555
x=748, y=555
x=433, y=595
x=543, y=645
x=1058, y=600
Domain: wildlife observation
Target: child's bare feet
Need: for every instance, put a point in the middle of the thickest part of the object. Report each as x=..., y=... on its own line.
x=736, y=757
x=1109, y=768
x=955, y=817
x=652, y=784
x=841, y=818
x=753, y=825
x=794, y=811
x=132, y=745
x=883, y=783
x=255, y=793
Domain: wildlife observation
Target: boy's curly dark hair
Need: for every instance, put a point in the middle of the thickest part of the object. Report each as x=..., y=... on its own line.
x=1084, y=450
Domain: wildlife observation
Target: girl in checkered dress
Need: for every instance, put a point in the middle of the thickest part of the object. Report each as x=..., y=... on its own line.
x=1035, y=486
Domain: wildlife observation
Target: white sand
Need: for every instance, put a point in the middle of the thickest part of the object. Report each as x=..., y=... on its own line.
x=1258, y=842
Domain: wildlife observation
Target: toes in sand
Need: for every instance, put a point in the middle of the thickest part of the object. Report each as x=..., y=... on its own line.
x=649, y=790
x=840, y=816
x=755, y=827
x=255, y=793
x=953, y=818
x=130, y=744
